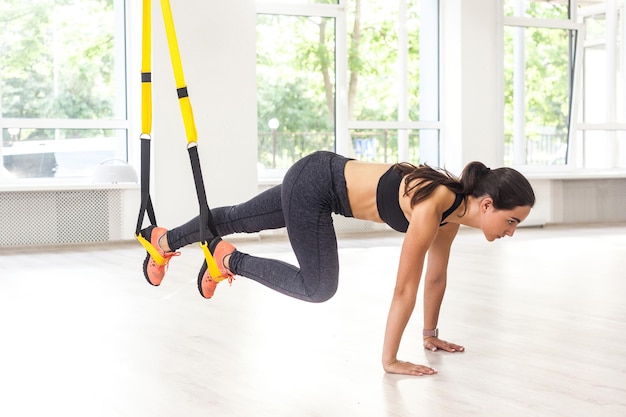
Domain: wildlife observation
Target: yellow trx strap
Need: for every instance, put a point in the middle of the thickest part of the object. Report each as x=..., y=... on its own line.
x=181, y=87
x=146, y=131
x=188, y=120
x=146, y=74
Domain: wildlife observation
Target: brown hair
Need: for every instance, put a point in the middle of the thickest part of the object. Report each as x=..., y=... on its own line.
x=507, y=187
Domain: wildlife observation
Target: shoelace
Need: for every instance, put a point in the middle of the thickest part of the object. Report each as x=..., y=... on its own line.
x=167, y=257
x=224, y=277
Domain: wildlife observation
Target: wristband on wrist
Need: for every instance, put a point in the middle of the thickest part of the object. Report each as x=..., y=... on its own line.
x=430, y=333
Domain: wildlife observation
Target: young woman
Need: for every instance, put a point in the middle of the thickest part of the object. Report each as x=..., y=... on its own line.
x=428, y=205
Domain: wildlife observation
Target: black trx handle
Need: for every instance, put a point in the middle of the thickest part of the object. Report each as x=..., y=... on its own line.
x=206, y=218
x=146, y=201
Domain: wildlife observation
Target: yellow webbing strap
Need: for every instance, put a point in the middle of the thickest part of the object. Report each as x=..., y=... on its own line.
x=154, y=253
x=146, y=125
x=146, y=75
x=181, y=88
x=214, y=270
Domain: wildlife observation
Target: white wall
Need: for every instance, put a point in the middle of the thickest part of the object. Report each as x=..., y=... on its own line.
x=217, y=43
x=471, y=84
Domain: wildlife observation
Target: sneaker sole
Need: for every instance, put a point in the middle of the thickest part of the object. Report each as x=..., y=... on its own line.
x=200, y=275
x=145, y=270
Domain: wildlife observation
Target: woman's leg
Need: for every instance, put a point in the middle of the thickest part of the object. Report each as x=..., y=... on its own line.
x=313, y=188
x=262, y=212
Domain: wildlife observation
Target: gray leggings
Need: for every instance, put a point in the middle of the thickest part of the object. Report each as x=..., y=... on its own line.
x=313, y=188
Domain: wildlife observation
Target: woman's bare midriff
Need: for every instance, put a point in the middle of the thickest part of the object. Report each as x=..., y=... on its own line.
x=362, y=182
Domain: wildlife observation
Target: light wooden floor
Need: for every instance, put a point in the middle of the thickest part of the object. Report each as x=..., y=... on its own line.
x=542, y=317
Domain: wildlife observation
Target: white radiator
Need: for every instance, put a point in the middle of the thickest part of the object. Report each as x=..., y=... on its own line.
x=594, y=200
x=60, y=217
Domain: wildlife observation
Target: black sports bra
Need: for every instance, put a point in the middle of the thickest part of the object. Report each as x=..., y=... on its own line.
x=389, y=206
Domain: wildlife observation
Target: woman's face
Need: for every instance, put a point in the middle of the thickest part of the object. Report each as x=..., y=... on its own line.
x=497, y=224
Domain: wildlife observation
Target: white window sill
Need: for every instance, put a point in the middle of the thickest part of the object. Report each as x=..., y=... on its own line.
x=580, y=174
x=55, y=184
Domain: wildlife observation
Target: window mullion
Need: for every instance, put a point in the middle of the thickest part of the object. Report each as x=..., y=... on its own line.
x=403, y=99
x=343, y=143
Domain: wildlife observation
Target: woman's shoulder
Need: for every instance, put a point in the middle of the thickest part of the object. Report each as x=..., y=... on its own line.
x=441, y=197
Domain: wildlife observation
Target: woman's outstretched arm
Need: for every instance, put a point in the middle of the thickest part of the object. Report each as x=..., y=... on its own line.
x=420, y=235
x=435, y=286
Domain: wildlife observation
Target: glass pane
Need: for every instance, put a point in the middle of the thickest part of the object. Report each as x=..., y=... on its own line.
x=620, y=70
x=601, y=149
x=595, y=85
x=60, y=153
x=280, y=149
x=381, y=145
x=62, y=59
x=546, y=9
x=373, y=60
x=604, y=92
x=423, y=59
x=295, y=87
x=537, y=84
x=375, y=82
x=595, y=28
x=603, y=87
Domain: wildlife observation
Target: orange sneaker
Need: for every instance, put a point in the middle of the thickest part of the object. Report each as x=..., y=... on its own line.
x=207, y=284
x=154, y=269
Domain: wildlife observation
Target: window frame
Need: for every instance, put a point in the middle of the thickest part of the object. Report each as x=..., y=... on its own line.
x=574, y=92
x=122, y=44
x=612, y=124
x=576, y=152
x=343, y=125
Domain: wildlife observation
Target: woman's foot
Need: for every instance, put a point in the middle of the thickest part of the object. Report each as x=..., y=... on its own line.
x=157, y=259
x=221, y=250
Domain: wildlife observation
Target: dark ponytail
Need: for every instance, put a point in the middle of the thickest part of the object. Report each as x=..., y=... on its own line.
x=472, y=175
x=506, y=186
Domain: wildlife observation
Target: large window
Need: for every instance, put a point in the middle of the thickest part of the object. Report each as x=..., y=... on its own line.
x=62, y=87
x=540, y=52
x=360, y=77
x=296, y=87
x=601, y=135
x=564, y=83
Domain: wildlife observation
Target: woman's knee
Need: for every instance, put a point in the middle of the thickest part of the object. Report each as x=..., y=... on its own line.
x=323, y=293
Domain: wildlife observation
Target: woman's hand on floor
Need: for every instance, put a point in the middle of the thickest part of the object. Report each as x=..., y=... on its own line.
x=408, y=368
x=434, y=343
